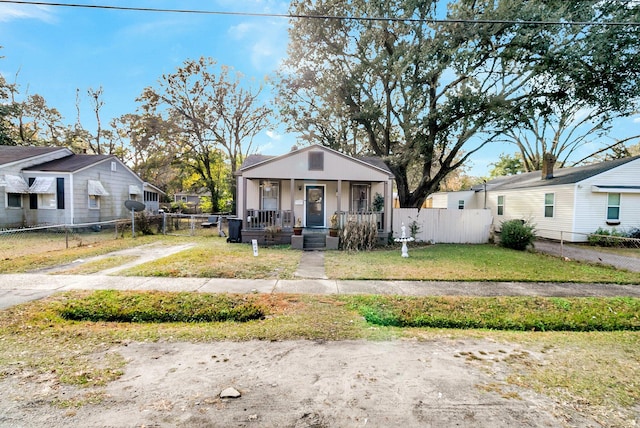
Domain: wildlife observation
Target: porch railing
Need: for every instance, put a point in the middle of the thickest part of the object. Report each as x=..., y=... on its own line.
x=362, y=217
x=259, y=219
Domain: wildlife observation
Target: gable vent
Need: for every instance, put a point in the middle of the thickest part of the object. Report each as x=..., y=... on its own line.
x=316, y=161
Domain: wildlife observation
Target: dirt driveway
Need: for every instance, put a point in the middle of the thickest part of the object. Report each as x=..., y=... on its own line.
x=442, y=383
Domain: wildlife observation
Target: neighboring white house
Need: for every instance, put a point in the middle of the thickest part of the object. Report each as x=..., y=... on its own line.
x=41, y=185
x=575, y=201
x=311, y=184
x=453, y=200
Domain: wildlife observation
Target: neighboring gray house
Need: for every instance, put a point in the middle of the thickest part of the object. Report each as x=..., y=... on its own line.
x=310, y=185
x=575, y=201
x=42, y=185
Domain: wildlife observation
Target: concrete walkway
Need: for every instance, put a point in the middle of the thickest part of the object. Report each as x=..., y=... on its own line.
x=588, y=254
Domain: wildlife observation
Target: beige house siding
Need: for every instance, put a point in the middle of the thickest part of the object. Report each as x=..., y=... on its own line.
x=294, y=172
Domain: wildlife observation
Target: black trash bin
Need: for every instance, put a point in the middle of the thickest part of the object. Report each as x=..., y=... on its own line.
x=235, y=227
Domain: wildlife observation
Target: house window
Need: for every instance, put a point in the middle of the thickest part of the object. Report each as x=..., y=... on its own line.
x=461, y=204
x=96, y=190
x=47, y=201
x=14, y=200
x=114, y=166
x=549, y=204
x=270, y=193
x=613, y=207
x=360, y=194
x=94, y=202
x=316, y=161
x=43, y=193
x=150, y=196
x=501, y=205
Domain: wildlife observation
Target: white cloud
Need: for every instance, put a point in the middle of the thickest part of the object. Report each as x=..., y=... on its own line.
x=10, y=12
x=274, y=135
x=239, y=32
x=636, y=120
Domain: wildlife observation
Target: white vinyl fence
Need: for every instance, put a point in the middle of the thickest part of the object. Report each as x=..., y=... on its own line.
x=444, y=226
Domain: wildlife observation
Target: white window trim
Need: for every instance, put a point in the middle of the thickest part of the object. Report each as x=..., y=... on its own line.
x=614, y=220
x=6, y=201
x=553, y=205
x=498, y=205
x=95, y=198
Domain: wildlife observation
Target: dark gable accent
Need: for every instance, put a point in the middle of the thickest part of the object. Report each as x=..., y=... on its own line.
x=316, y=161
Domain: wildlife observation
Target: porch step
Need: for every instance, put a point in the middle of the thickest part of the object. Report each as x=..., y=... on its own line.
x=314, y=241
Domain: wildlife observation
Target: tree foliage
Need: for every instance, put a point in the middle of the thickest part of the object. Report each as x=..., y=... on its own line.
x=426, y=94
x=506, y=165
x=210, y=117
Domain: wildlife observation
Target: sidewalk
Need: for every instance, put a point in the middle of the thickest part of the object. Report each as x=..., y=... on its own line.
x=20, y=288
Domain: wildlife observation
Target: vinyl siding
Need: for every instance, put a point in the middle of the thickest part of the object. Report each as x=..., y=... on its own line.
x=115, y=182
x=591, y=208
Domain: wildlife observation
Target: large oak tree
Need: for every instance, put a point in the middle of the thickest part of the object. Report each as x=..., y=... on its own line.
x=426, y=93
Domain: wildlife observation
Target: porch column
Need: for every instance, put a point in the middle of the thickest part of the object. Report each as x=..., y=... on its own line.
x=388, y=202
x=339, y=202
x=292, y=199
x=244, y=203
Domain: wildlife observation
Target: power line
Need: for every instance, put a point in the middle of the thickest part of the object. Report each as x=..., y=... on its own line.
x=303, y=16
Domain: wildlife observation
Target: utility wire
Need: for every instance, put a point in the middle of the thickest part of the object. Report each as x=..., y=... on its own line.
x=303, y=16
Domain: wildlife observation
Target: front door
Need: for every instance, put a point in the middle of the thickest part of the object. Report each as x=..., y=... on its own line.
x=315, y=206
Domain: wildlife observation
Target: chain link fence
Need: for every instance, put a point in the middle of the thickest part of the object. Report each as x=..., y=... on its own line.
x=612, y=249
x=41, y=239
x=192, y=225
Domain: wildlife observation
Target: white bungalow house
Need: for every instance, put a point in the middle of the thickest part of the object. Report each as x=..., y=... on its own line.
x=45, y=185
x=567, y=203
x=309, y=185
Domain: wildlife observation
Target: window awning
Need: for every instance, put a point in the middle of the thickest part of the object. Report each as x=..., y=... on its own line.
x=97, y=189
x=615, y=189
x=14, y=184
x=43, y=185
x=134, y=190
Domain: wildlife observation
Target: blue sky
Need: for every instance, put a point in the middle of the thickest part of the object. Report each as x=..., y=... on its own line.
x=57, y=50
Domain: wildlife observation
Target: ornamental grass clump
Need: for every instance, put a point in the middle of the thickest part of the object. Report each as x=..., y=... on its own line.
x=517, y=235
x=358, y=236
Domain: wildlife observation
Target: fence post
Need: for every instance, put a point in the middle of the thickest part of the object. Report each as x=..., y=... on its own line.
x=66, y=236
x=164, y=223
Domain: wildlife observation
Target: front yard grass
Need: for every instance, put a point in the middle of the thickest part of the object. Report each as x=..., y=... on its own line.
x=214, y=258
x=594, y=372
x=454, y=262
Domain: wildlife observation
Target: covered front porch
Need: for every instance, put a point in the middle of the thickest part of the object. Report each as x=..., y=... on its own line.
x=315, y=190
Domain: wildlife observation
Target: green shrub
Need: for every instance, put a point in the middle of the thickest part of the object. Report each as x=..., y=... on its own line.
x=609, y=238
x=517, y=235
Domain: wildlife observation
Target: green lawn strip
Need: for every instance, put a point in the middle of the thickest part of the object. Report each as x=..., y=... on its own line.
x=154, y=306
x=223, y=261
x=501, y=313
x=453, y=262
